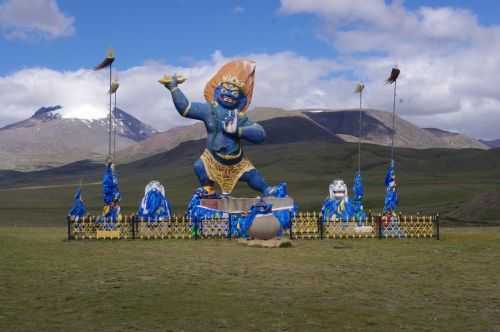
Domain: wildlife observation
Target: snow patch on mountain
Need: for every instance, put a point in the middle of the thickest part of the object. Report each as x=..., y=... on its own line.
x=84, y=112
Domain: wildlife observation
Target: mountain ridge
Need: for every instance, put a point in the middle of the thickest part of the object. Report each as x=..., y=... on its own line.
x=47, y=139
x=341, y=125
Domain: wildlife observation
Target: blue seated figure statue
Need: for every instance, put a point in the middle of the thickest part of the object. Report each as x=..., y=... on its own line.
x=111, y=194
x=78, y=210
x=155, y=205
x=337, y=205
x=228, y=95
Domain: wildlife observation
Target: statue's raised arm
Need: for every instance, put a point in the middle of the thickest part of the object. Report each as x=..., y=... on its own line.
x=184, y=107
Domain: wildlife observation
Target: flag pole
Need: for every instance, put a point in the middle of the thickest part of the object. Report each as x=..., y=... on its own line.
x=359, y=89
x=113, y=89
x=360, y=129
x=108, y=62
x=394, y=120
x=114, y=127
x=393, y=78
x=110, y=115
x=390, y=201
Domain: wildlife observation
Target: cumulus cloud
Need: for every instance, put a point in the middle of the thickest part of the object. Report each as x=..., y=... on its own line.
x=449, y=61
x=449, y=65
x=20, y=19
x=283, y=80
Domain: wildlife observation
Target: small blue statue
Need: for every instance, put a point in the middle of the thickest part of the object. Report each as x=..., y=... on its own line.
x=337, y=205
x=155, y=205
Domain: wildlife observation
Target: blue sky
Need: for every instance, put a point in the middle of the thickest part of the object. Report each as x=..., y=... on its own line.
x=181, y=31
x=175, y=31
x=309, y=53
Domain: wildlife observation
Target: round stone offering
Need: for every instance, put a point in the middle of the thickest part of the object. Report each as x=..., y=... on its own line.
x=264, y=227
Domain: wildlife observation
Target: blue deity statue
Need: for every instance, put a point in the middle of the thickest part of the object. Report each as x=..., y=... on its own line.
x=337, y=205
x=228, y=96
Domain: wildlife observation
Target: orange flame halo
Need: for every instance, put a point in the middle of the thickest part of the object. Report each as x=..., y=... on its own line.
x=238, y=72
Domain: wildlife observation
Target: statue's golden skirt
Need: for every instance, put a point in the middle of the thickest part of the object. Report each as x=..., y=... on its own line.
x=226, y=176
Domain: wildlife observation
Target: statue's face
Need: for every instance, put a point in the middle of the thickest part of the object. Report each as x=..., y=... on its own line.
x=229, y=96
x=338, y=190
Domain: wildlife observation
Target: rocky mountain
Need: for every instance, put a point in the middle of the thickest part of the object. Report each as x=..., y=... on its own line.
x=457, y=140
x=312, y=125
x=48, y=139
x=492, y=144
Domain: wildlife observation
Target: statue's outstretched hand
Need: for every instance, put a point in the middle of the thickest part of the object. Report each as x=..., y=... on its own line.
x=170, y=82
x=230, y=122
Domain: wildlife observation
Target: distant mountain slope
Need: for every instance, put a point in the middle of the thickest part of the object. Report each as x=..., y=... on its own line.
x=47, y=139
x=492, y=144
x=457, y=140
x=309, y=125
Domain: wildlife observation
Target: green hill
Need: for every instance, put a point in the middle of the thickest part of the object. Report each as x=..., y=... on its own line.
x=460, y=184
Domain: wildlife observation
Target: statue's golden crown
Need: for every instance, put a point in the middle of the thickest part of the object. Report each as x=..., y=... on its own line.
x=231, y=79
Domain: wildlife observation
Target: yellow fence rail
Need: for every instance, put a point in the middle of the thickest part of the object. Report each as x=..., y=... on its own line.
x=304, y=226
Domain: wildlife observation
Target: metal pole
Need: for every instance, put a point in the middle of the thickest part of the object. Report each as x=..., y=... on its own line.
x=393, y=120
x=360, y=129
x=114, y=128
x=110, y=123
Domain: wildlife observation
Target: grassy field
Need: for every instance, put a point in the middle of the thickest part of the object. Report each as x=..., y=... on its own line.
x=49, y=284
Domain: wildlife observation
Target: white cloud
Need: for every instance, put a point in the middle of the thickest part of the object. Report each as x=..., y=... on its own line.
x=282, y=80
x=449, y=61
x=449, y=65
x=20, y=19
